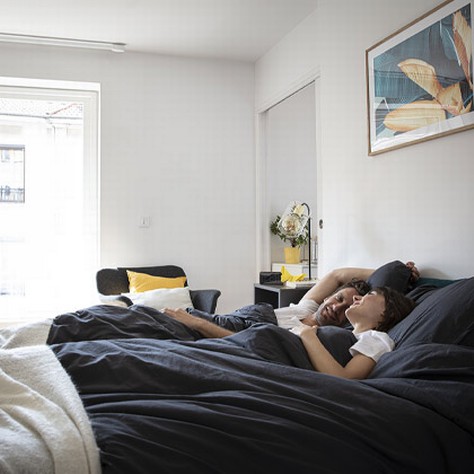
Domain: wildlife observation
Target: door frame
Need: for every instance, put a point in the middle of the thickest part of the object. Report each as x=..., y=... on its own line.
x=263, y=257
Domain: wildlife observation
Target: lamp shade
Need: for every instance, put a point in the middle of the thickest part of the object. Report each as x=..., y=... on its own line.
x=294, y=219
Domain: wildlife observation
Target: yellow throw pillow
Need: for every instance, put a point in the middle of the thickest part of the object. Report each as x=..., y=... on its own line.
x=140, y=282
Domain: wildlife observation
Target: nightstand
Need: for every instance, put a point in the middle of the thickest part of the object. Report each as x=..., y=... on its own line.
x=278, y=296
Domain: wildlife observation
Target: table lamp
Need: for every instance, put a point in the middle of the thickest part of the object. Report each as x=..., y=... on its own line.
x=295, y=220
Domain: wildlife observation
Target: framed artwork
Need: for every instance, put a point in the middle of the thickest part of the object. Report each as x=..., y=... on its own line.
x=420, y=80
x=12, y=173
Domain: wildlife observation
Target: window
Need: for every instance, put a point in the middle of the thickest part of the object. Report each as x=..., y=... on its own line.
x=12, y=174
x=48, y=198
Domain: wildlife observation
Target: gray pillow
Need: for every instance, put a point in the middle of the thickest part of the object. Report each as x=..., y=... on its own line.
x=394, y=274
x=446, y=316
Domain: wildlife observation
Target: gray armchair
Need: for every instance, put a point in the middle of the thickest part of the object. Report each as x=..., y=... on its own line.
x=114, y=281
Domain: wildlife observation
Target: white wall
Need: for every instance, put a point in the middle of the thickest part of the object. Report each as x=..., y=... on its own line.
x=289, y=65
x=411, y=203
x=178, y=147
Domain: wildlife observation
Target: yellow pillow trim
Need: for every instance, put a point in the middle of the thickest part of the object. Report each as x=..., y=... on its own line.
x=140, y=282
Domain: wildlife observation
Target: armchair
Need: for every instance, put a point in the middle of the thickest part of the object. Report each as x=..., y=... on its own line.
x=114, y=281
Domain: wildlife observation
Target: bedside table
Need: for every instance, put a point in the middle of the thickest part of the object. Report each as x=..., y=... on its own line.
x=278, y=296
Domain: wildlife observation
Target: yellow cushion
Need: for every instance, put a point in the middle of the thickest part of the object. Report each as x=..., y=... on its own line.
x=140, y=282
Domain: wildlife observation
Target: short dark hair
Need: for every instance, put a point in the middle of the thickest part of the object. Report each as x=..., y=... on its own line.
x=361, y=286
x=397, y=307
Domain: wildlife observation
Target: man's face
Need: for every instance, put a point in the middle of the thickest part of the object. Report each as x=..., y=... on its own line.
x=332, y=310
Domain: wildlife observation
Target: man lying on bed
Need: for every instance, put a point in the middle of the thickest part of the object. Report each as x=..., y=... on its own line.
x=323, y=305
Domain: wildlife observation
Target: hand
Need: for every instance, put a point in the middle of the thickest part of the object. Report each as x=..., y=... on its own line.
x=310, y=320
x=182, y=316
x=415, y=273
x=304, y=330
x=204, y=327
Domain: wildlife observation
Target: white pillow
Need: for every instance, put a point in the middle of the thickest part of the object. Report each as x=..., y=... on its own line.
x=163, y=298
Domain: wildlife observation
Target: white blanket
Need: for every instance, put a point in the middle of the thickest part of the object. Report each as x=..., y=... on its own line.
x=23, y=335
x=43, y=425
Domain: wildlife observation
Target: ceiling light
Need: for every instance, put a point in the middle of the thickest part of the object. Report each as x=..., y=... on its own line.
x=68, y=42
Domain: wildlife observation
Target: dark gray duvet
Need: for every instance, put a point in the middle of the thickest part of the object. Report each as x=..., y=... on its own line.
x=161, y=400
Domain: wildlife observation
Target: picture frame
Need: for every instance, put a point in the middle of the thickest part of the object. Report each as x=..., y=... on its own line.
x=420, y=79
x=12, y=173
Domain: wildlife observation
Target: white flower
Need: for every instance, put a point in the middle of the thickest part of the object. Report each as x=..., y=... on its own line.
x=291, y=224
x=298, y=209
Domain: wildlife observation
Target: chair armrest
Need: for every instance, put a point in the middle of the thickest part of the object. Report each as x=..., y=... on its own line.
x=205, y=300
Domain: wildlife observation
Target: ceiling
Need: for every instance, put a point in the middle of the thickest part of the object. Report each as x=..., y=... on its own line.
x=231, y=29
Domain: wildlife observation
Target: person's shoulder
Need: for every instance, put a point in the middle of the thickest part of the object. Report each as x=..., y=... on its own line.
x=375, y=335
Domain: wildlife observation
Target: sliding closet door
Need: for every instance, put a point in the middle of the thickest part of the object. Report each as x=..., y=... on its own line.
x=291, y=165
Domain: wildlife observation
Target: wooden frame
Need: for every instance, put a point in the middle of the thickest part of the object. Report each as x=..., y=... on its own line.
x=420, y=80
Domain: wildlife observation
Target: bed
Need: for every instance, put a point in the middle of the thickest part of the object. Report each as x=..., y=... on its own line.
x=121, y=390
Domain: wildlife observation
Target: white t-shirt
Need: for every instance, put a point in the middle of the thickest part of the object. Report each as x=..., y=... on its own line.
x=291, y=316
x=372, y=344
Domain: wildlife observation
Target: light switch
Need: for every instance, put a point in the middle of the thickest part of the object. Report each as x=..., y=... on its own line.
x=145, y=221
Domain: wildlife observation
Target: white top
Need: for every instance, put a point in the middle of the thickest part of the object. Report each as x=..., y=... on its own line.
x=291, y=316
x=373, y=344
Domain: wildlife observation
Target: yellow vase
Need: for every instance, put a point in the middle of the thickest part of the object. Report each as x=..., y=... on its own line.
x=292, y=254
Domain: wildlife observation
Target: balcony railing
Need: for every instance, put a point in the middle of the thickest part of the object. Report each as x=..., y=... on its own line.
x=8, y=194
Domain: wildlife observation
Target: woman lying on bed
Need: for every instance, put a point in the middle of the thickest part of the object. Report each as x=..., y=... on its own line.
x=371, y=316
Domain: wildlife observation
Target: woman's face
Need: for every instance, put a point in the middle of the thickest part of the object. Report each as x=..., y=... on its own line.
x=366, y=309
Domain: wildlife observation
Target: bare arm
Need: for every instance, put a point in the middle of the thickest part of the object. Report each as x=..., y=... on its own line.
x=333, y=280
x=204, y=327
x=359, y=367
